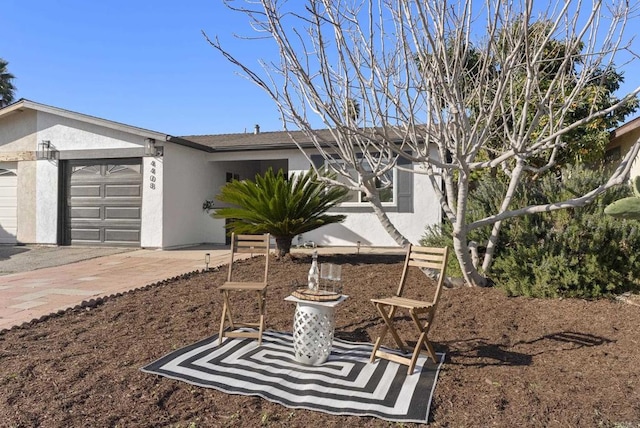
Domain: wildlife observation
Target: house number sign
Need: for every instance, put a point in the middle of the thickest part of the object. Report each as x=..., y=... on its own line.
x=152, y=175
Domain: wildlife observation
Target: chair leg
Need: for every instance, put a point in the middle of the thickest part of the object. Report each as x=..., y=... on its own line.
x=388, y=328
x=227, y=302
x=262, y=297
x=222, y=320
x=388, y=320
x=226, y=315
x=423, y=328
x=383, y=333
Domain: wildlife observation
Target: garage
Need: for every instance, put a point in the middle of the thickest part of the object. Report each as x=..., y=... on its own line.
x=103, y=202
x=8, y=204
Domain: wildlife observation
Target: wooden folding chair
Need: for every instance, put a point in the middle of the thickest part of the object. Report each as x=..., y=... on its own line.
x=421, y=312
x=253, y=244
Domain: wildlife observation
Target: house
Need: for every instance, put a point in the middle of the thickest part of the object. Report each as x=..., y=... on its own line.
x=67, y=178
x=621, y=141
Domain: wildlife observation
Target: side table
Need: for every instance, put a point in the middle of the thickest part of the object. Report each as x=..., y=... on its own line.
x=313, y=326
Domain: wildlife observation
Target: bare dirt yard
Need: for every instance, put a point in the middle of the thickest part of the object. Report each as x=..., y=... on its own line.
x=510, y=361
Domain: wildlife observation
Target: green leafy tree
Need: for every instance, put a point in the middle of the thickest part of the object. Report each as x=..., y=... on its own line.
x=562, y=61
x=284, y=208
x=6, y=86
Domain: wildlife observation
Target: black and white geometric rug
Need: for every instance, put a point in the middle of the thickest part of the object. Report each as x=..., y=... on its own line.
x=346, y=384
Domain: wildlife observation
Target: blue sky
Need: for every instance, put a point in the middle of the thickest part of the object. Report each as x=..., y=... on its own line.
x=140, y=62
x=143, y=63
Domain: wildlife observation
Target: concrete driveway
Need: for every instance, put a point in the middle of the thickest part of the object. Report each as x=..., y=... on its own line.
x=14, y=259
x=37, y=281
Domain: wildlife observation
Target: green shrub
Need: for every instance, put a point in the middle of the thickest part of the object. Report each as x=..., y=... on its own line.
x=577, y=252
x=594, y=258
x=440, y=236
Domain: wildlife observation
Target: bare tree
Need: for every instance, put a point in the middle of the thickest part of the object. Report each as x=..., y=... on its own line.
x=455, y=87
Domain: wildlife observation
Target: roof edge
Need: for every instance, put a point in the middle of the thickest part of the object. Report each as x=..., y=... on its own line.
x=187, y=143
x=24, y=103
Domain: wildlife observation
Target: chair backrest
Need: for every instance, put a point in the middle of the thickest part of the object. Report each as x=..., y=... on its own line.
x=432, y=258
x=252, y=244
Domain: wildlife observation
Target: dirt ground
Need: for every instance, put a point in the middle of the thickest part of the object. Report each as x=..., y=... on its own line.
x=510, y=361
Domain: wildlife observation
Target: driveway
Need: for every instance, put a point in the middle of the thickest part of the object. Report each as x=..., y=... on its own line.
x=14, y=259
x=37, y=281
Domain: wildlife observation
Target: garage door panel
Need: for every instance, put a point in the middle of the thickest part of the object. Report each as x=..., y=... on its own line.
x=9, y=203
x=113, y=213
x=8, y=217
x=104, y=203
x=123, y=190
x=87, y=235
x=122, y=235
x=86, y=191
x=79, y=213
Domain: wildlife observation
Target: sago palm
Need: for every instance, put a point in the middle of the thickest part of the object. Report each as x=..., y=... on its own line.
x=284, y=208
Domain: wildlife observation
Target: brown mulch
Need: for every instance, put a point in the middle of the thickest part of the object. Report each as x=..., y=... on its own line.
x=510, y=361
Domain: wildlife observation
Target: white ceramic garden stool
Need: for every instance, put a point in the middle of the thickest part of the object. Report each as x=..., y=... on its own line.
x=313, y=327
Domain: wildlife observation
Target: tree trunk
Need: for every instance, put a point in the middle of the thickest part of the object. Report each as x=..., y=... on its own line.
x=460, y=234
x=463, y=254
x=283, y=245
x=495, y=230
x=374, y=199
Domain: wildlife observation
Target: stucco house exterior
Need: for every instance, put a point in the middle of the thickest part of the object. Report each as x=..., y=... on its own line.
x=621, y=141
x=67, y=178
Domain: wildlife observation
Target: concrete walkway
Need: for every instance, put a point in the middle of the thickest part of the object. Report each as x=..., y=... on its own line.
x=29, y=295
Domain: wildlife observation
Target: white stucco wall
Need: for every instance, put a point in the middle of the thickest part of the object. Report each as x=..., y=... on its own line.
x=18, y=132
x=187, y=183
x=70, y=134
x=151, y=231
x=47, y=202
x=27, y=179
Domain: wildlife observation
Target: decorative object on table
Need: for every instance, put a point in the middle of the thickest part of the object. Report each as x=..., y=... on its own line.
x=331, y=275
x=316, y=296
x=245, y=244
x=313, y=278
x=421, y=312
x=345, y=385
x=313, y=326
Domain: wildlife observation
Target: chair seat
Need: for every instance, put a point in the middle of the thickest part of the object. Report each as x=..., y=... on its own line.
x=243, y=286
x=403, y=302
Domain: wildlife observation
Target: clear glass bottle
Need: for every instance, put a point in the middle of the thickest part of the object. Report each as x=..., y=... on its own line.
x=314, y=274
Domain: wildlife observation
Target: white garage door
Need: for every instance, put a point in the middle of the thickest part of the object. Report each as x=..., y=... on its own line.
x=8, y=206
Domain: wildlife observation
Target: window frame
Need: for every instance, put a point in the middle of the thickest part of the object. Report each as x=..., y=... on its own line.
x=362, y=203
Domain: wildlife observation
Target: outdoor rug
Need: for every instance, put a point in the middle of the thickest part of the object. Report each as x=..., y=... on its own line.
x=346, y=384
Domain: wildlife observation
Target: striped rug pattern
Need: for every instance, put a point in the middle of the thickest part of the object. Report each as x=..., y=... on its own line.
x=346, y=384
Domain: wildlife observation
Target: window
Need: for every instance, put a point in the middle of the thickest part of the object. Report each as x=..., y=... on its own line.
x=386, y=186
x=398, y=196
